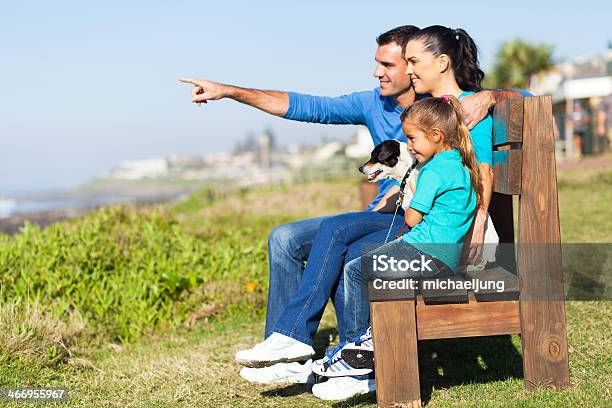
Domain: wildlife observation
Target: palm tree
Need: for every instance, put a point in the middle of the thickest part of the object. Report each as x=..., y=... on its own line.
x=516, y=62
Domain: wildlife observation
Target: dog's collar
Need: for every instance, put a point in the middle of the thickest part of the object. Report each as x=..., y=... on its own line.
x=403, y=183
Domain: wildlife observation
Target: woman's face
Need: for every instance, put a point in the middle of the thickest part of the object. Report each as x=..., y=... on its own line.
x=422, y=67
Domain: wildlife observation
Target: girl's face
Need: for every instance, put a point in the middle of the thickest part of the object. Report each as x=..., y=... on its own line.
x=423, y=67
x=419, y=143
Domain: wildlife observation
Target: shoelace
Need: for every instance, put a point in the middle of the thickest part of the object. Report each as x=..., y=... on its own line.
x=357, y=339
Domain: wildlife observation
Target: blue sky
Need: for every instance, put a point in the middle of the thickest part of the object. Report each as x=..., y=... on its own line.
x=84, y=86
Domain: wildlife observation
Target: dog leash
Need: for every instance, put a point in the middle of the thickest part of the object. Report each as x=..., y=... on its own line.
x=400, y=199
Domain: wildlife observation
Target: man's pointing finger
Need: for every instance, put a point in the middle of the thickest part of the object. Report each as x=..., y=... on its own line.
x=189, y=81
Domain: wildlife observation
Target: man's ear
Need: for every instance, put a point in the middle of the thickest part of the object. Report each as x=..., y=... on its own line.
x=443, y=62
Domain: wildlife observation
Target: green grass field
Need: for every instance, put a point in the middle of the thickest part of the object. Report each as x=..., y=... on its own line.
x=180, y=354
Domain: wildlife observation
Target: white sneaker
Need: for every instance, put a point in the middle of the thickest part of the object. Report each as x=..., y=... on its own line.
x=294, y=373
x=339, y=388
x=277, y=348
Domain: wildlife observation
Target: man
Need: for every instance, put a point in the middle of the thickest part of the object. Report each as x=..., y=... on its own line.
x=289, y=245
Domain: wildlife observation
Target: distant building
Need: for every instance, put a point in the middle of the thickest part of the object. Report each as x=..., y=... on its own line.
x=362, y=145
x=577, y=87
x=140, y=169
x=326, y=152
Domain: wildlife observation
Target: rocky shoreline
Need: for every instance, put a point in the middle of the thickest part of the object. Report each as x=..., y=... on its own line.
x=12, y=225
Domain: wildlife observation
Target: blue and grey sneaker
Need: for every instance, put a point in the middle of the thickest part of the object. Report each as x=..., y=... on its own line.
x=334, y=363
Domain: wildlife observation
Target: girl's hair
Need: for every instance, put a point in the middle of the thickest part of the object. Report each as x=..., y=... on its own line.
x=461, y=49
x=446, y=114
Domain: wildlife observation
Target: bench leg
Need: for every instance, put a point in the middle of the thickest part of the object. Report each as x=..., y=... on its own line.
x=544, y=344
x=395, y=353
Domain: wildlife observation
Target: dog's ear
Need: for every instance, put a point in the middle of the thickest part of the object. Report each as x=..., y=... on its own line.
x=389, y=152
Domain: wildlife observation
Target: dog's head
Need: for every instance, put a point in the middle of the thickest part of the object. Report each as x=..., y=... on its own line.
x=389, y=159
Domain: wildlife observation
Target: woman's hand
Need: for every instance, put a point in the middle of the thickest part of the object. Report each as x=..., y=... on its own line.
x=472, y=249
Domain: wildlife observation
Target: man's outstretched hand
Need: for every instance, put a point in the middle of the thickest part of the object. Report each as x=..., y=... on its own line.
x=203, y=90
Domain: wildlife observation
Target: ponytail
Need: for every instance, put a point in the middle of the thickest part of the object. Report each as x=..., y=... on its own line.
x=463, y=143
x=468, y=74
x=461, y=49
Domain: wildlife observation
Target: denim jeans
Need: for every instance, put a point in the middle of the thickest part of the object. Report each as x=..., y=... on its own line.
x=356, y=302
x=297, y=296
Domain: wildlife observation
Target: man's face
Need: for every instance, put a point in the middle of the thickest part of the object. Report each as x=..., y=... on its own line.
x=391, y=70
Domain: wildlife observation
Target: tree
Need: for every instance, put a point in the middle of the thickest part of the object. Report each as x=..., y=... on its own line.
x=516, y=61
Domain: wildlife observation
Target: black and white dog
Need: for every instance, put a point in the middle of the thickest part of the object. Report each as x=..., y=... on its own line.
x=391, y=159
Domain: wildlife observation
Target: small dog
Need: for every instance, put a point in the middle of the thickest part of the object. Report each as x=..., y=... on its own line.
x=391, y=159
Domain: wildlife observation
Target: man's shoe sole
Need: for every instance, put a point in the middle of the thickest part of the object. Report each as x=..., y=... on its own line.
x=262, y=364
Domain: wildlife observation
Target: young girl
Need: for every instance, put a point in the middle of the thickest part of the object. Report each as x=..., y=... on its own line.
x=448, y=191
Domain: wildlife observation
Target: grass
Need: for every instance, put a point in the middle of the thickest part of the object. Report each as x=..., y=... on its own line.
x=192, y=365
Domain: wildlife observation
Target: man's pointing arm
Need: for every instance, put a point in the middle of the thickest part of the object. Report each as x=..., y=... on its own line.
x=273, y=102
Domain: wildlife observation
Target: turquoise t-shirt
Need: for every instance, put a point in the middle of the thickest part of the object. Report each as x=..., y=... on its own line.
x=445, y=196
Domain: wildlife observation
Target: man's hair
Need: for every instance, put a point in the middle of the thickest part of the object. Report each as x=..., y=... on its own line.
x=399, y=35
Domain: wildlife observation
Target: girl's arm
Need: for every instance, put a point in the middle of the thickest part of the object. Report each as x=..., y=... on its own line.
x=412, y=217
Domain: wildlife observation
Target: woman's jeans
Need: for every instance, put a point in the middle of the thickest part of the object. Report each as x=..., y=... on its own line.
x=358, y=271
x=298, y=295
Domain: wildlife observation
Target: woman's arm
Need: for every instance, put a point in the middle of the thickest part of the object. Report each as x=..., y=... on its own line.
x=475, y=236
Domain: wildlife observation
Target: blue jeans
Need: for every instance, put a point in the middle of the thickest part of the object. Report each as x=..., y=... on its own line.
x=297, y=296
x=356, y=302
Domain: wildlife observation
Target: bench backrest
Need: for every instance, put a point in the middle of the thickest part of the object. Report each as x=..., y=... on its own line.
x=524, y=165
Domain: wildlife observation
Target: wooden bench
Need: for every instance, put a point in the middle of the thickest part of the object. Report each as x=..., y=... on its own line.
x=524, y=165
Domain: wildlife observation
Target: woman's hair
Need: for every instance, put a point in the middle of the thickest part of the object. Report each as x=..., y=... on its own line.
x=460, y=48
x=446, y=114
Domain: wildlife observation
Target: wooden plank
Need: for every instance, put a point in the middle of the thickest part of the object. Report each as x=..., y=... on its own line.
x=508, y=122
x=437, y=296
x=395, y=353
x=542, y=310
x=507, y=171
x=492, y=277
x=467, y=319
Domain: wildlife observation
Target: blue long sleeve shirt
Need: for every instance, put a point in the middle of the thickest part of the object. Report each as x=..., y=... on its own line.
x=380, y=114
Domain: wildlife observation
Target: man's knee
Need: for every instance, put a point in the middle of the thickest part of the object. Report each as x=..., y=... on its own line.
x=284, y=238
